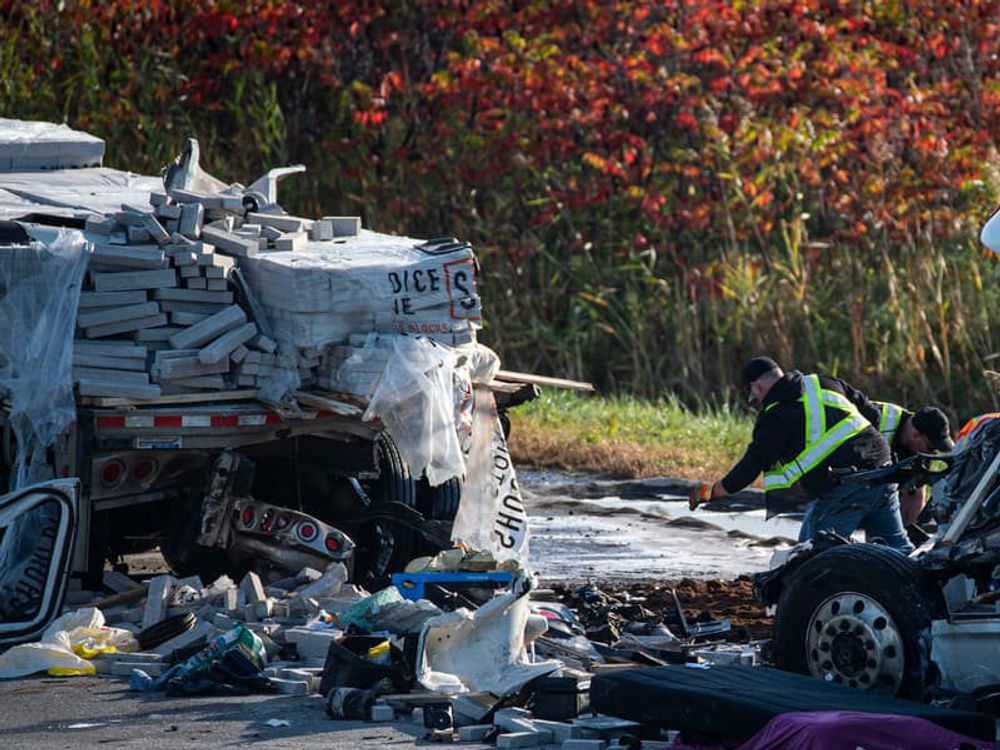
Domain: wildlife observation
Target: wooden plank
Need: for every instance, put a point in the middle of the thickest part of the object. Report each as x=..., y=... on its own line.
x=249, y=394
x=523, y=377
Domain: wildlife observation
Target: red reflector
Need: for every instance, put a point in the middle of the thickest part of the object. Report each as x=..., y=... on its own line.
x=248, y=517
x=110, y=423
x=113, y=472
x=332, y=543
x=170, y=420
x=143, y=470
x=229, y=420
x=307, y=532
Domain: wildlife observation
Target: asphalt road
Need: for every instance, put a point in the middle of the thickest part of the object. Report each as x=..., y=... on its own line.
x=86, y=712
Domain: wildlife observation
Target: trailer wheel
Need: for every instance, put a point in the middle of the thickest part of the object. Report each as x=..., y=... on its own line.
x=391, y=546
x=439, y=503
x=858, y=615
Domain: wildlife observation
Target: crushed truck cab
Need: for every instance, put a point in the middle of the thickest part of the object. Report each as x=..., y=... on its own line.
x=241, y=388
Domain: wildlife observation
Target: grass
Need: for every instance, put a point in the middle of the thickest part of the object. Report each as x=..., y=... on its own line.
x=627, y=437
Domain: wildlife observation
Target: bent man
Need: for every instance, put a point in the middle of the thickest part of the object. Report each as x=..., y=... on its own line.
x=808, y=424
x=925, y=431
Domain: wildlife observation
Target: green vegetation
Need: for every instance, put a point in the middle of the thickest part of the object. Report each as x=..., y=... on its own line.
x=627, y=437
x=656, y=191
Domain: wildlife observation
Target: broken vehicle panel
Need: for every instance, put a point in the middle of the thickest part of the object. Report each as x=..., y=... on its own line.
x=37, y=532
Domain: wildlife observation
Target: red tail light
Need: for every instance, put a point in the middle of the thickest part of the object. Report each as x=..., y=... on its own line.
x=112, y=473
x=332, y=543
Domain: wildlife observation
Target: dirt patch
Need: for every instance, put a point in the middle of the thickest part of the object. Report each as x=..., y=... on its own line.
x=646, y=602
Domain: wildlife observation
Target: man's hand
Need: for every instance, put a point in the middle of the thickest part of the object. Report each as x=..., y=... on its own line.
x=700, y=494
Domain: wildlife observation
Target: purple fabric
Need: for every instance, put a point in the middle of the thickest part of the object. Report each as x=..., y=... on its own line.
x=847, y=730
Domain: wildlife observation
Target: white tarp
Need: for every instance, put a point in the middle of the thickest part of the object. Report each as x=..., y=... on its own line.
x=491, y=514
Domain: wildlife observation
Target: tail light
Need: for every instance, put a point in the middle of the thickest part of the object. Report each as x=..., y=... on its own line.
x=143, y=470
x=113, y=473
x=332, y=543
x=248, y=517
x=307, y=531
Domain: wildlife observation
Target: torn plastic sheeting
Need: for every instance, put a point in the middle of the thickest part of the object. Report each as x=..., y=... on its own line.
x=40, y=284
x=66, y=646
x=413, y=399
x=480, y=651
x=491, y=514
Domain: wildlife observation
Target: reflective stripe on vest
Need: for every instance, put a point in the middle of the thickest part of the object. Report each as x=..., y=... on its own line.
x=889, y=420
x=820, y=442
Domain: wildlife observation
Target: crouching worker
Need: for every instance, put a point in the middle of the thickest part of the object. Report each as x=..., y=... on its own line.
x=806, y=425
x=925, y=431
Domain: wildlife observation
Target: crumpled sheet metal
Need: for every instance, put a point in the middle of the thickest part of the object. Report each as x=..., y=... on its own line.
x=481, y=651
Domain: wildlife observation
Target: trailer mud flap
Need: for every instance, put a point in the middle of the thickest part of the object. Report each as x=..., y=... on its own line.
x=37, y=535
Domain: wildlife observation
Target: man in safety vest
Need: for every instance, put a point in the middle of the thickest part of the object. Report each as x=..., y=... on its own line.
x=925, y=431
x=806, y=425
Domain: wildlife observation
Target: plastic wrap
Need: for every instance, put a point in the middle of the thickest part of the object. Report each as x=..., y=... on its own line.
x=39, y=293
x=491, y=514
x=414, y=399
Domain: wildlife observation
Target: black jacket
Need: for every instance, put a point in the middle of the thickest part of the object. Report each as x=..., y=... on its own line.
x=779, y=436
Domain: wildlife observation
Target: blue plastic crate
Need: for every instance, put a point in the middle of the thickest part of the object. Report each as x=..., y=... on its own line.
x=411, y=585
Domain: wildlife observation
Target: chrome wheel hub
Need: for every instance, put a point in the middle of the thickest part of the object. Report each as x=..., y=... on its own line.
x=851, y=639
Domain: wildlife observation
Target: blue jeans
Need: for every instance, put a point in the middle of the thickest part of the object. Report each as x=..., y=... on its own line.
x=846, y=508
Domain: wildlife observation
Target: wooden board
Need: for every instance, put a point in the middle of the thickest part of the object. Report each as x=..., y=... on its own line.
x=524, y=377
x=249, y=394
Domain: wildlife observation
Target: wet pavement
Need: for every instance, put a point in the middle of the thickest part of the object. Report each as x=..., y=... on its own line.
x=645, y=535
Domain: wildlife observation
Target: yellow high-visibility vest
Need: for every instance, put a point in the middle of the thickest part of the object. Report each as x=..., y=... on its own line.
x=888, y=423
x=820, y=440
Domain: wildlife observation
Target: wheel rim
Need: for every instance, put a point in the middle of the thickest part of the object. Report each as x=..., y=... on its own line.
x=853, y=640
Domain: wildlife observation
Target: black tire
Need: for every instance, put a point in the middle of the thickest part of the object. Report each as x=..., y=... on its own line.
x=393, y=485
x=850, y=614
x=439, y=503
x=162, y=632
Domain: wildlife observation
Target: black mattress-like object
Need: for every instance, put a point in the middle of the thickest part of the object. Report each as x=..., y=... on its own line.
x=737, y=702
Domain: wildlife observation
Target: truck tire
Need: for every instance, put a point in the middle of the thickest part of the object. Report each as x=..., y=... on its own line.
x=439, y=503
x=394, y=485
x=858, y=615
